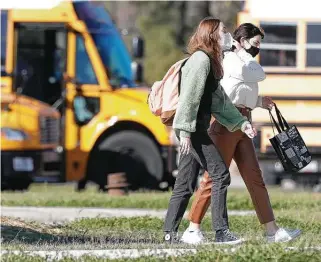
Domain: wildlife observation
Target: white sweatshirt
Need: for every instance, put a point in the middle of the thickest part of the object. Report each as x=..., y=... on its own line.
x=241, y=76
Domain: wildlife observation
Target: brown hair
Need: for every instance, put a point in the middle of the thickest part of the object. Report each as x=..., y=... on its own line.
x=206, y=38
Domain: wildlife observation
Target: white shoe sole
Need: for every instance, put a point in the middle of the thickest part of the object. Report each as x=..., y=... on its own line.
x=293, y=236
x=239, y=241
x=191, y=242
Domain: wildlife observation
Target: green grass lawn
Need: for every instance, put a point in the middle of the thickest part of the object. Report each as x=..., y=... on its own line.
x=146, y=232
x=65, y=195
x=292, y=209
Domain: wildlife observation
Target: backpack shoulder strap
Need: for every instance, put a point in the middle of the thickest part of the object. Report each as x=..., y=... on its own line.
x=180, y=76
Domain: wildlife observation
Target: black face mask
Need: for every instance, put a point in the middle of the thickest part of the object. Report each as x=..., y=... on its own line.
x=253, y=51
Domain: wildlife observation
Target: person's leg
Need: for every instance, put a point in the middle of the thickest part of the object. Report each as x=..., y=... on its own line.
x=204, y=151
x=248, y=165
x=213, y=163
x=225, y=143
x=221, y=179
x=250, y=171
x=201, y=202
x=185, y=183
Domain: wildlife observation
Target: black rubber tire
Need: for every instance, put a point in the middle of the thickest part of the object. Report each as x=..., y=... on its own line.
x=4, y=185
x=131, y=152
x=16, y=184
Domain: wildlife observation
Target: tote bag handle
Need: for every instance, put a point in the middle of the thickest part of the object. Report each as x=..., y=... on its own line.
x=284, y=125
x=274, y=123
x=281, y=125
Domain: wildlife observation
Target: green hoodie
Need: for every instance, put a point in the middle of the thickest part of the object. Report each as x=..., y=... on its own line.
x=193, y=79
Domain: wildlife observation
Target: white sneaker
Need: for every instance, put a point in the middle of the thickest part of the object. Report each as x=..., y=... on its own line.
x=284, y=235
x=192, y=237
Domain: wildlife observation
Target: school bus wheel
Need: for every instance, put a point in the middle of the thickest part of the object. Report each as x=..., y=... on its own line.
x=16, y=183
x=131, y=152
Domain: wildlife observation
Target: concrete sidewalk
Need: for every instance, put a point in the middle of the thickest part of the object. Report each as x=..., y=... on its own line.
x=64, y=214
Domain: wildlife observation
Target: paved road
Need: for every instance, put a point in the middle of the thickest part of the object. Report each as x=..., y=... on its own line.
x=64, y=214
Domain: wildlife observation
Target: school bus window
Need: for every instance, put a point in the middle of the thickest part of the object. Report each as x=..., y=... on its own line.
x=110, y=45
x=41, y=53
x=31, y=58
x=85, y=108
x=279, y=45
x=85, y=73
x=313, y=58
x=4, y=19
x=59, y=56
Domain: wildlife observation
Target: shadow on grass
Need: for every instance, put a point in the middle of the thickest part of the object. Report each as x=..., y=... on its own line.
x=17, y=234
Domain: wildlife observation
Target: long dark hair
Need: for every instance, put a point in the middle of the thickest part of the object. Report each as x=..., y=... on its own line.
x=206, y=38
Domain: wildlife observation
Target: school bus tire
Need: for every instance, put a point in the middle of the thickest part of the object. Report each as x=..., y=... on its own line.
x=16, y=184
x=136, y=154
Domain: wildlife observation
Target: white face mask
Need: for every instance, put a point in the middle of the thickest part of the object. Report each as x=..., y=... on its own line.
x=226, y=41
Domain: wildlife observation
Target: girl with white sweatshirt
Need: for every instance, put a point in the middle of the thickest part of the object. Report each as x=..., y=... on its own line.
x=240, y=82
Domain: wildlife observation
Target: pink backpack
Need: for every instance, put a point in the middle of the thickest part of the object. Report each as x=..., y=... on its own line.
x=164, y=94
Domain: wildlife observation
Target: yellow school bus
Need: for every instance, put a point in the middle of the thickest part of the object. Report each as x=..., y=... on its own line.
x=76, y=61
x=291, y=57
x=29, y=127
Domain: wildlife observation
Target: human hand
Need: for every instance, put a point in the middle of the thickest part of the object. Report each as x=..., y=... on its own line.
x=185, y=145
x=267, y=103
x=255, y=131
x=250, y=131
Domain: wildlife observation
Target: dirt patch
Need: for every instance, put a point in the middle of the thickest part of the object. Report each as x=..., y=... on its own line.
x=8, y=223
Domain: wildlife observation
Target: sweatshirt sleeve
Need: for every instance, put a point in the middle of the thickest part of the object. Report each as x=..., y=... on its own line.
x=246, y=68
x=194, y=75
x=226, y=113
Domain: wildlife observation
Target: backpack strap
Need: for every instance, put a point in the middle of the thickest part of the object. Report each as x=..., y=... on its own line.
x=180, y=76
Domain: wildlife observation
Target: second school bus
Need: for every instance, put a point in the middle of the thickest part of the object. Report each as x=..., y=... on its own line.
x=291, y=56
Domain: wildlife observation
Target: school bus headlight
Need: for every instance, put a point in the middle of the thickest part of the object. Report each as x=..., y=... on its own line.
x=13, y=134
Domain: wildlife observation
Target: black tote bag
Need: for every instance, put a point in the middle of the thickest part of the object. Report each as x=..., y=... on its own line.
x=289, y=145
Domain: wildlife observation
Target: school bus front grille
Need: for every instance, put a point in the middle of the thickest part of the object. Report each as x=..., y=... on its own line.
x=49, y=130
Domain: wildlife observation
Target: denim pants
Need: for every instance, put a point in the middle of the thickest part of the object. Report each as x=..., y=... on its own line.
x=203, y=154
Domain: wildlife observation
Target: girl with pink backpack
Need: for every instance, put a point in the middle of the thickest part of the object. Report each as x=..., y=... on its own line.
x=187, y=102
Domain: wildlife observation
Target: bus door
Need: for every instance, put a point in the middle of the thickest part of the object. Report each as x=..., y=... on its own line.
x=85, y=80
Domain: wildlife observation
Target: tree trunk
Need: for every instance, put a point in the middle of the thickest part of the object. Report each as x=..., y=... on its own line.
x=181, y=29
x=196, y=11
